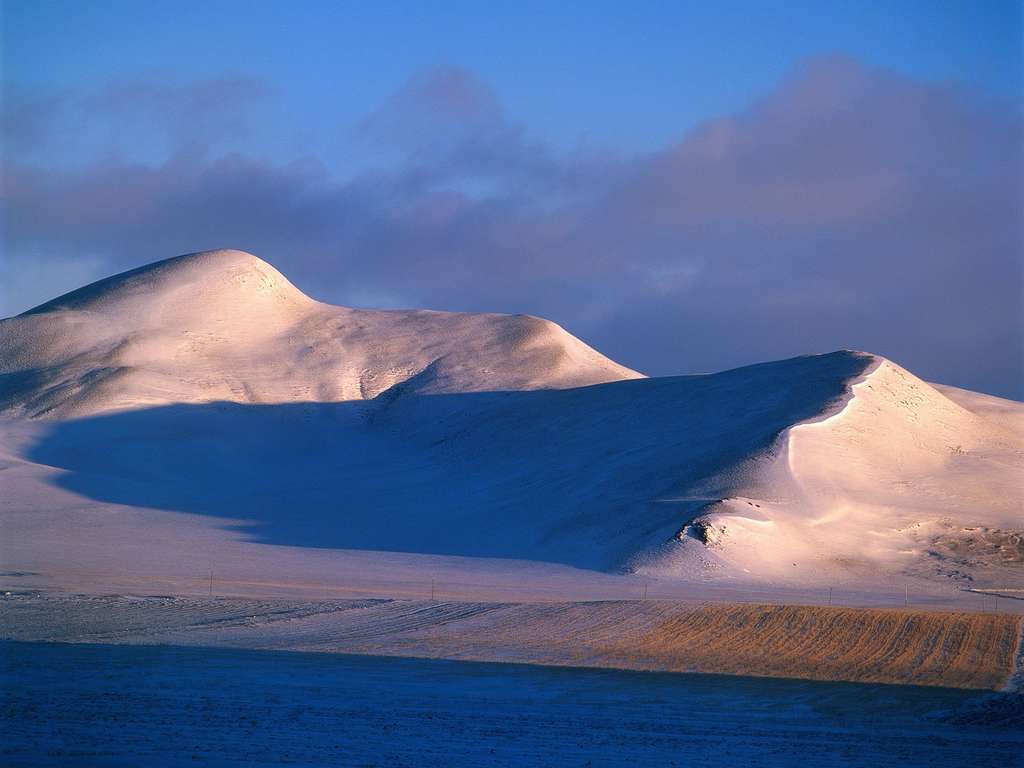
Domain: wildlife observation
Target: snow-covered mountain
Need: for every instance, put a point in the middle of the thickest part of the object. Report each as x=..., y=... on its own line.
x=205, y=399
x=227, y=326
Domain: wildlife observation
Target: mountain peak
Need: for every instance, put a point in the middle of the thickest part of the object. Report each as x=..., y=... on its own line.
x=226, y=325
x=202, y=276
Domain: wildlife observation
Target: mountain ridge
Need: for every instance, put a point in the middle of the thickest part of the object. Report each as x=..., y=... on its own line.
x=225, y=325
x=218, y=390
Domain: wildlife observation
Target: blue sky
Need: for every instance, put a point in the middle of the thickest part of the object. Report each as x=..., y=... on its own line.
x=667, y=65
x=604, y=164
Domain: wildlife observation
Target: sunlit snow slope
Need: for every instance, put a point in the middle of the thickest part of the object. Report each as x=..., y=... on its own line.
x=210, y=389
x=227, y=326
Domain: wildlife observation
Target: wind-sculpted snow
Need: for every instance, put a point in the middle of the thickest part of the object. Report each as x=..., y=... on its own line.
x=899, y=482
x=202, y=411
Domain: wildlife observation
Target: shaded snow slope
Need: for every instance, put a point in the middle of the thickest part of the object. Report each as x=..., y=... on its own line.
x=584, y=476
x=218, y=410
x=227, y=326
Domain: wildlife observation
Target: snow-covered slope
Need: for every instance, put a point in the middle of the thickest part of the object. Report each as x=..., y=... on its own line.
x=900, y=480
x=227, y=326
x=220, y=413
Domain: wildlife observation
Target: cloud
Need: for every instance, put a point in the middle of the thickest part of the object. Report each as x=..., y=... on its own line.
x=127, y=118
x=849, y=207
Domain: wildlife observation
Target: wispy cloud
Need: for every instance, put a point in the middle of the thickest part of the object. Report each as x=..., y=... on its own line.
x=123, y=117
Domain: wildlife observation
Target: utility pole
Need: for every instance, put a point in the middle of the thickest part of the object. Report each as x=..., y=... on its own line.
x=830, y=595
x=211, y=582
x=906, y=595
x=432, y=590
x=645, y=590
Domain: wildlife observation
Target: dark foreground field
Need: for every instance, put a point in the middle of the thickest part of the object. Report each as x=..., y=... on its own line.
x=105, y=705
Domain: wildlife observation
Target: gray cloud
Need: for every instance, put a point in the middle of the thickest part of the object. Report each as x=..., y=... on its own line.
x=127, y=116
x=849, y=207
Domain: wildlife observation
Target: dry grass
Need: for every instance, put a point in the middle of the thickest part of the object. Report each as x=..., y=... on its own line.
x=902, y=646
x=964, y=650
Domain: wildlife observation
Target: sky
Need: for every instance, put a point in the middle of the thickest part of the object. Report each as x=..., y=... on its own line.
x=688, y=187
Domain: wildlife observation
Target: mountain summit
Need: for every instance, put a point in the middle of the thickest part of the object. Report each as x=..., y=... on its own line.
x=226, y=326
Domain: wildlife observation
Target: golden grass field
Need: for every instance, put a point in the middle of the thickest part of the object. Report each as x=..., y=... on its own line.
x=878, y=645
x=968, y=650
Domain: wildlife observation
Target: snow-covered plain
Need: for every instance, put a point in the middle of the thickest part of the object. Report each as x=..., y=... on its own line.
x=203, y=414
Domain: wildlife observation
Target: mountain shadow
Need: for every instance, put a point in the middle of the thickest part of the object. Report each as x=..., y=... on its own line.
x=585, y=477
